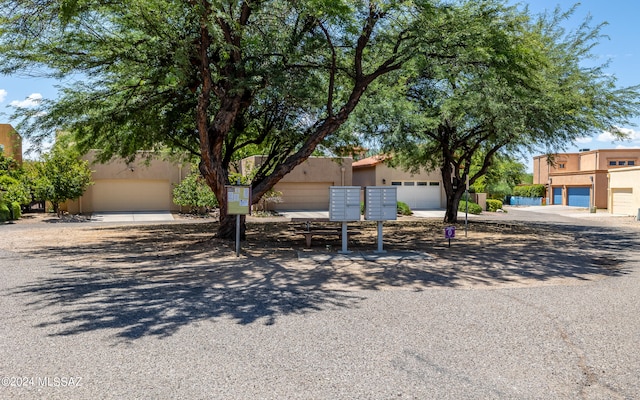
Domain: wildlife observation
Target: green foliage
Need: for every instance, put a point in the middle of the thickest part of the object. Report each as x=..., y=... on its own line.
x=15, y=190
x=62, y=175
x=404, y=209
x=529, y=191
x=494, y=205
x=5, y=214
x=194, y=193
x=16, y=211
x=474, y=208
x=268, y=199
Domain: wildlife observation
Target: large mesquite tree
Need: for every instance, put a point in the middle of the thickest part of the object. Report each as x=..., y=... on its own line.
x=209, y=77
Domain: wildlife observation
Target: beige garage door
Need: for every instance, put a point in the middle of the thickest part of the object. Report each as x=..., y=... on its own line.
x=623, y=201
x=131, y=195
x=303, y=196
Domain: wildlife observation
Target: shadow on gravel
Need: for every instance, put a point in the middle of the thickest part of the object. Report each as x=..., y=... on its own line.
x=92, y=299
x=152, y=280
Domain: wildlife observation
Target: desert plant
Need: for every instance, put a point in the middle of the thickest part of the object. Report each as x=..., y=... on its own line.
x=404, y=209
x=474, y=208
x=494, y=205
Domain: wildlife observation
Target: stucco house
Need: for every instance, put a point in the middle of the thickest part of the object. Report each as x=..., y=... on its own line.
x=143, y=185
x=306, y=187
x=11, y=142
x=581, y=179
x=423, y=190
x=624, y=191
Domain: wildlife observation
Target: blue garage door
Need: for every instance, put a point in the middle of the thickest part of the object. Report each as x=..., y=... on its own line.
x=578, y=196
x=557, y=196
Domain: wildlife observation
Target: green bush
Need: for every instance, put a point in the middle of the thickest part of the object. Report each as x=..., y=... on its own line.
x=16, y=210
x=404, y=209
x=494, y=205
x=529, y=191
x=473, y=207
x=4, y=212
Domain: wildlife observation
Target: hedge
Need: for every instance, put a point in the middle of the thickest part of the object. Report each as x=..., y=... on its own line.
x=4, y=212
x=473, y=207
x=529, y=191
x=494, y=205
x=16, y=210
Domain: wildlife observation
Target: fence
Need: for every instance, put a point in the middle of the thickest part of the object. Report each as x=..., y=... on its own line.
x=525, y=201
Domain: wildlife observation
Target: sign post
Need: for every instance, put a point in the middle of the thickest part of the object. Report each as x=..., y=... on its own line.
x=449, y=233
x=238, y=203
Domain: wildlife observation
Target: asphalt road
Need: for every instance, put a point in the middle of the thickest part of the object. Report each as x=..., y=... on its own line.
x=73, y=334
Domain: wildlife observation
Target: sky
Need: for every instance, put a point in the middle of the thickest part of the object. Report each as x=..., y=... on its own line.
x=621, y=49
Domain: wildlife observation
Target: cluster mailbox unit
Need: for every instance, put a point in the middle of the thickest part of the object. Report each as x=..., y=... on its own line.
x=344, y=206
x=381, y=204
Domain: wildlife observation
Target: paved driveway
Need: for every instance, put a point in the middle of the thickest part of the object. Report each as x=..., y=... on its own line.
x=77, y=333
x=131, y=216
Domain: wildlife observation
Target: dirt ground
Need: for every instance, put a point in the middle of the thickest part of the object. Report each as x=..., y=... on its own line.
x=493, y=254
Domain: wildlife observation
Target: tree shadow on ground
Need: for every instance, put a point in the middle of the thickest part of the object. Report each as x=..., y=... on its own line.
x=152, y=280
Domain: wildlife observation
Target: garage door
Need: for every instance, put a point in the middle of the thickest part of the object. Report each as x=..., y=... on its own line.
x=419, y=195
x=557, y=196
x=578, y=196
x=623, y=202
x=303, y=196
x=131, y=195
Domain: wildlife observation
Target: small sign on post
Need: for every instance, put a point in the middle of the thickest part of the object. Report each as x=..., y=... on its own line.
x=238, y=203
x=449, y=233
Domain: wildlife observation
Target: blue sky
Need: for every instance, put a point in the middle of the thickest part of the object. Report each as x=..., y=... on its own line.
x=622, y=49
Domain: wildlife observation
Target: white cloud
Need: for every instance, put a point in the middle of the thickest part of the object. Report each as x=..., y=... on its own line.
x=31, y=101
x=584, y=140
x=631, y=135
x=3, y=95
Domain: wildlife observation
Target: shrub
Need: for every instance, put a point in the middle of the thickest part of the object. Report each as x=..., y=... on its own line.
x=474, y=208
x=16, y=212
x=4, y=212
x=404, y=209
x=529, y=191
x=494, y=205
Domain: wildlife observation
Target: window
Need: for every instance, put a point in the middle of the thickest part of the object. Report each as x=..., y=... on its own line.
x=1, y=147
x=396, y=183
x=409, y=183
x=612, y=163
x=631, y=162
x=622, y=163
x=561, y=166
x=434, y=183
x=422, y=183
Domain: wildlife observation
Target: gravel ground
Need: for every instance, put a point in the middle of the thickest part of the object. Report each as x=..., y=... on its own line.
x=74, y=333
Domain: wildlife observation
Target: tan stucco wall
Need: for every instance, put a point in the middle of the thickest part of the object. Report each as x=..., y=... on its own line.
x=11, y=141
x=157, y=170
x=314, y=169
x=625, y=178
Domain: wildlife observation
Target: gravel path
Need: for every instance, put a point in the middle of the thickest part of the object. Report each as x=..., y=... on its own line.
x=78, y=334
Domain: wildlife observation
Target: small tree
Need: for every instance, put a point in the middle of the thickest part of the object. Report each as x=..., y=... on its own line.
x=63, y=175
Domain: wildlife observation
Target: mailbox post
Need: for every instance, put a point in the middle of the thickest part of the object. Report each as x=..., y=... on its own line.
x=381, y=204
x=344, y=206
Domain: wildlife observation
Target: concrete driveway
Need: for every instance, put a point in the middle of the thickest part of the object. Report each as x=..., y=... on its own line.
x=132, y=216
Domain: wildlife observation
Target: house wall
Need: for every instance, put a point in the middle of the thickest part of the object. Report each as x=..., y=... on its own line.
x=306, y=187
x=577, y=169
x=11, y=142
x=126, y=183
x=627, y=180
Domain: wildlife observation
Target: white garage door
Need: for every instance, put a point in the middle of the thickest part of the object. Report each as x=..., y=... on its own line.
x=303, y=196
x=131, y=195
x=419, y=195
x=623, y=202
